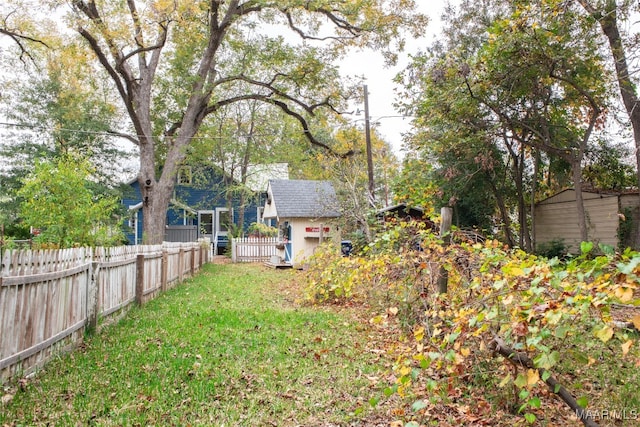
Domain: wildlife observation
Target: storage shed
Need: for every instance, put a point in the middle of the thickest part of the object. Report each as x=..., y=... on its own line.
x=612, y=218
x=305, y=213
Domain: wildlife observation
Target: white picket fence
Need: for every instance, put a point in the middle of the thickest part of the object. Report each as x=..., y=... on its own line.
x=253, y=249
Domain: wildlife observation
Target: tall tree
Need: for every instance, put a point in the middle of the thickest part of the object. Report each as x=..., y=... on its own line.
x=175, y=54
x=53, y=113
x=462, y=143
x=237, y=138
x=533, y=80
x=607, y=13
x=541, y=75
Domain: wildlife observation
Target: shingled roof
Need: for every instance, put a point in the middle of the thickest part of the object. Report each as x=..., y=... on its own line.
x=304, y=198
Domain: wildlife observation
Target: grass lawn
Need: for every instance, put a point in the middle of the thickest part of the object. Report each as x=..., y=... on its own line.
x=231, y=347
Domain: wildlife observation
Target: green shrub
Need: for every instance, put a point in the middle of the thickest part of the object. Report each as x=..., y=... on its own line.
x=261, y=229
x=555, y=248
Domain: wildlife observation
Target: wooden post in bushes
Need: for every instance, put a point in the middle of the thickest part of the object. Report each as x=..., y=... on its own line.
x=139, y=278
x=446, y=218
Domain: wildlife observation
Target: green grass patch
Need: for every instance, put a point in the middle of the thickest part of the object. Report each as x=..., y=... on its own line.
x=229, y=347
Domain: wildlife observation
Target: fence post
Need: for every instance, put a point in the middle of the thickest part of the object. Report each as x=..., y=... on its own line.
x=446, y=215
x=164, y=267
x=180, y=265
x=92, y=295
x=139, y=278
x=193, y=261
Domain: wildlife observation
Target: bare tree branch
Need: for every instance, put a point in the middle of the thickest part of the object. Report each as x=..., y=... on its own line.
x=521, y=359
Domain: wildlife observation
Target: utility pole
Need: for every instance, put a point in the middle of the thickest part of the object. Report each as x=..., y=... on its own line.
x=367, y=136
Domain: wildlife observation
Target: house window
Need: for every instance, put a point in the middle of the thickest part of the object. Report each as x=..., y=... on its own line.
x=184, y=175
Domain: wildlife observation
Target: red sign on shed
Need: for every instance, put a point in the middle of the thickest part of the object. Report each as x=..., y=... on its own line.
x=316, y=229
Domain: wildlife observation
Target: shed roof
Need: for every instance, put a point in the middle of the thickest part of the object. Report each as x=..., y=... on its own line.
x=415, y=211
x=297, y=198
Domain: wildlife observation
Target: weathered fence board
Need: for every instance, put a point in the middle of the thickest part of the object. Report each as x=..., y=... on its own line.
x=253, y=249
x=37, y=314
x=47, y=297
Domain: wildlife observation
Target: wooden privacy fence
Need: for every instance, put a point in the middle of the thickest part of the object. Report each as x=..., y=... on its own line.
x=253, y=249
x=48, y=297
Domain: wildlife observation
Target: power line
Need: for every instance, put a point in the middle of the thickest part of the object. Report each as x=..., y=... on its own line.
x=131, y=136
x=125, y=136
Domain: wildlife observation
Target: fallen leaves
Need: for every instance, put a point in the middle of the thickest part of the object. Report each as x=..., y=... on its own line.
x=6, y=399
x=605, y=333
x=636, y=321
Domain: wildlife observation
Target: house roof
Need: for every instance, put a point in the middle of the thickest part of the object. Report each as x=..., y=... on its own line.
x=303, y=198
x=404, y=212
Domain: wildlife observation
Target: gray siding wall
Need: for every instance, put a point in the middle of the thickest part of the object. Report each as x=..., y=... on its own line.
x=557, y=218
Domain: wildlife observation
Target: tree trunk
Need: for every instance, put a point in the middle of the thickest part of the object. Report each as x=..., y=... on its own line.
x=241, y=210
x=156, y=193
x=154, y=211
x=524, y=238
x=504, y=213
x=534, y=189
x=576, y=168
x=524, y=219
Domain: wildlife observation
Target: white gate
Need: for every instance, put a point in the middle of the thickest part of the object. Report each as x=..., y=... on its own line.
x=253, y=249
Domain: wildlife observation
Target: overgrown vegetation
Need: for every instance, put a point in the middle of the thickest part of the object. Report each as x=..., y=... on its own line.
x=513, y=329
x=261, y=229
x=59, y=201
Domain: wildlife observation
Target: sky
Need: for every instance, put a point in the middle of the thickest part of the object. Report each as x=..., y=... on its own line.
x=379, y=80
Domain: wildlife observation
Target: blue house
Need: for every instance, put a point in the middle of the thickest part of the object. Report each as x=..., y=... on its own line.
x=206, y=204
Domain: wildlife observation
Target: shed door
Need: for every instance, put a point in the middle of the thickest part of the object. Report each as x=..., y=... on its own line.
x=288, y=245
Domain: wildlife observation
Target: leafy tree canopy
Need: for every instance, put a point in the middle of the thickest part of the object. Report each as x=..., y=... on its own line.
x=175, y=63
